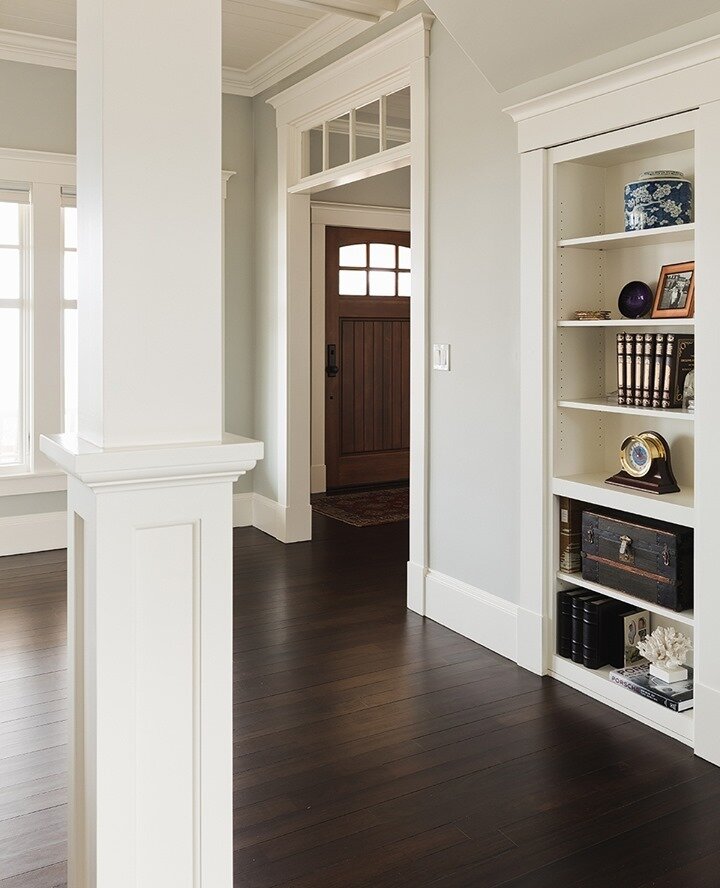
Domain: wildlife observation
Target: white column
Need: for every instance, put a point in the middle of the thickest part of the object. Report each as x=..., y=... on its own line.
x=150, y=487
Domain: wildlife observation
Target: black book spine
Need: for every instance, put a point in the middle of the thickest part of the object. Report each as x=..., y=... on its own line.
x=564, y=624
x=593, y=657
x=648, y=360
x=659, y=368
x=578, y=614
x=621, y=367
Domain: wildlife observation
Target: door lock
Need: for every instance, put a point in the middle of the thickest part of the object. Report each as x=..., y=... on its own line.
x=331, y=368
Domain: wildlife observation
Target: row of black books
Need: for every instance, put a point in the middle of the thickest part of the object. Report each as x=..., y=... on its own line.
x=596, y=630
x=652, y=368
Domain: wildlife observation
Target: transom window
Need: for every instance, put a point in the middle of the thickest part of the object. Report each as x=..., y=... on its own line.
x=14, y=292
x=374, y=269
x=361, y=132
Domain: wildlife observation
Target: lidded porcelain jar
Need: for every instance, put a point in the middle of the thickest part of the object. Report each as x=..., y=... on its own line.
x=658, y=199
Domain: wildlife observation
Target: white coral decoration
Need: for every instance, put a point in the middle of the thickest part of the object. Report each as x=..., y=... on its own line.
x=665, y=647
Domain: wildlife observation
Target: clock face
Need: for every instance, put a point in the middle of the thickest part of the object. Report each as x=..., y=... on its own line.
x=637, y=458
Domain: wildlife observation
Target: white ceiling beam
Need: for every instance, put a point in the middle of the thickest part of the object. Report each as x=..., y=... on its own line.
x=363, y=10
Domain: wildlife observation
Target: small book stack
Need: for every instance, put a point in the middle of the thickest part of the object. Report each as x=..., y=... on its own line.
x=652, y=368
x=677, y=696
x=590, y=628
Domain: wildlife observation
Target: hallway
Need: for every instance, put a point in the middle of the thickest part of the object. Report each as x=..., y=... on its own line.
x=372, y=748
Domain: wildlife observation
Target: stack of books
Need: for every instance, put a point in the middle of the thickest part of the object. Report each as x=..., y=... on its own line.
x=677, y=696
x=652, y=368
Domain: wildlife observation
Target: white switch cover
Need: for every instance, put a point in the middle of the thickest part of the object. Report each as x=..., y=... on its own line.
x=441, y=356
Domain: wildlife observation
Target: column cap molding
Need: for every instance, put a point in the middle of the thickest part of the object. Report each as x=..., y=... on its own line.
x=128, y=466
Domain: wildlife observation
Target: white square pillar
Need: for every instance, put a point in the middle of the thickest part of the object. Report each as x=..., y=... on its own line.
x=151, y=474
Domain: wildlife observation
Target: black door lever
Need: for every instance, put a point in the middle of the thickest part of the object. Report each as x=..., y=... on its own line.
x=332, y=368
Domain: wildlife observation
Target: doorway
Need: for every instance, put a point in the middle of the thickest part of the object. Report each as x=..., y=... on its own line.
x=367, y=357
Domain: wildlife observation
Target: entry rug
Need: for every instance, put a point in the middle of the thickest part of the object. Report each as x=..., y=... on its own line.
x=367, y=508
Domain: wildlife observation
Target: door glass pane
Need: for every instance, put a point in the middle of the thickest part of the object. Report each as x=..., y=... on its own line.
x=11, y=451
x=339, y=136
x=71, y=275
x=9, y=224
x=353, y=283
x=70, y=227
x=9, y=273
x=367, y=130
x=382, y=283
x=382, y=255
x=397, y=118
x=313, y=151
x=404, y=283
x=71, y=371
x=404, y=257
x=354, y=256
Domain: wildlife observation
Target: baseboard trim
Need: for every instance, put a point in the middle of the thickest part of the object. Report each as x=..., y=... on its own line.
x=22, y=534
x=416, y=588
x=243, y=509
x=707, y=725
x=289, y=525
x=480, y=616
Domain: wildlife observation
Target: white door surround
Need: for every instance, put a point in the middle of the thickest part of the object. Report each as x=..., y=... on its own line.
x=397, y=60
x=347, y=216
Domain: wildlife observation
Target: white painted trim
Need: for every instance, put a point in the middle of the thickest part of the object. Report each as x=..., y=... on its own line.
x=312, y=44
x=20, y=534
x=484, y=618
x=350, y=216
x=359, y=216
x=34, y=49
x=38, y=482
x=270, y=517
x=46, y=167
x=356, y=171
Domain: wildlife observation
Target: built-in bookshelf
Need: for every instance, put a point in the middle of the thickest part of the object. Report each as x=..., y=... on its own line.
x=590, y=259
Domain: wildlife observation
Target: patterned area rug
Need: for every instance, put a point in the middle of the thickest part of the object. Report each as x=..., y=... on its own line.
x=366, y=508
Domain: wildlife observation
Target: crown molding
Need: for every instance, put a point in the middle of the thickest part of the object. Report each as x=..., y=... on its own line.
x=52, y=52
x=631, y=75
x=312, y=44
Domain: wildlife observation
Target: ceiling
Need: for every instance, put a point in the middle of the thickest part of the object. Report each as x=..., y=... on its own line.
x=254, y=31
x=515, y=41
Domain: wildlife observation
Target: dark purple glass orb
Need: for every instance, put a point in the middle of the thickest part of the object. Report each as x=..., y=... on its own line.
x=635, y=300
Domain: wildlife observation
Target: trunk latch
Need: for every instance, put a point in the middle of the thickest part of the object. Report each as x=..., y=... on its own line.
x=626, y=553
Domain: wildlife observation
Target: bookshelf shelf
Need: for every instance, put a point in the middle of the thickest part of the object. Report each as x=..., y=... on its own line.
x=640, y=324
x=676, y=508
x=625, y=239
x=687, y=617
x=596, y=683
x=600, y=405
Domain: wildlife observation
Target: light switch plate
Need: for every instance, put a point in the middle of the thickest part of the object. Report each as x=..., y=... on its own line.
x=441, y=356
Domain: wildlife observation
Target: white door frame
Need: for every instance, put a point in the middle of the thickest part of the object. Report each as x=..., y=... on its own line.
x=324, y=214
x=394, y=61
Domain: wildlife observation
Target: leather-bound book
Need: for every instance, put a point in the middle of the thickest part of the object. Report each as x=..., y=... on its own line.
x=679, y=361
x=629, y=369
x=648, y=361
x=564, y=620
x=621, y=367
x=599, y=623
x=578, y=615
x=639, y=363
x=658, y=370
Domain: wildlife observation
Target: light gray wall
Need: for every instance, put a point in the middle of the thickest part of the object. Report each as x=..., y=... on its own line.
x=37, y=111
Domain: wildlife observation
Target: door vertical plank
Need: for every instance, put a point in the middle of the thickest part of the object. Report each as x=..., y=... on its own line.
x=405, y=381
x=368, y=388
x=397, y=385
x=358, y=373
x=347, y=365
x=379, y=384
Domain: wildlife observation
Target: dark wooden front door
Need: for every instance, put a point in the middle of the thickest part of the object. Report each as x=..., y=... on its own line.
x=367, y=356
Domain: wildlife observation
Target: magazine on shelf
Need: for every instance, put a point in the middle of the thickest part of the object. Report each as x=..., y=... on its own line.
x=677, y=696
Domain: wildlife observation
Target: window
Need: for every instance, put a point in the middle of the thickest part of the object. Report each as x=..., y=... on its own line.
x=70, y=324
x=14, y=293
x=374, y=269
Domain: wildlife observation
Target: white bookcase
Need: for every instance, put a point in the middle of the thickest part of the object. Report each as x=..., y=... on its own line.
x=579, y=147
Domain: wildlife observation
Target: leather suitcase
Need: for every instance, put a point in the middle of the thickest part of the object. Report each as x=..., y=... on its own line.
x=649, y=559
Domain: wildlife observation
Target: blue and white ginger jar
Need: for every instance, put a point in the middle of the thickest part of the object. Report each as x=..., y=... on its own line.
x=658, y=199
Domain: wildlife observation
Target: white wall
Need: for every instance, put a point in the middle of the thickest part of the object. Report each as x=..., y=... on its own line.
x=389, y=190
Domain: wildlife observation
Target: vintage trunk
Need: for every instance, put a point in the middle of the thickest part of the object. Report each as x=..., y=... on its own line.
x=649, y=559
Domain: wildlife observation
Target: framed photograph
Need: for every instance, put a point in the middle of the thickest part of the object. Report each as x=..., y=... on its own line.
x=675, y=295
x=635, y=627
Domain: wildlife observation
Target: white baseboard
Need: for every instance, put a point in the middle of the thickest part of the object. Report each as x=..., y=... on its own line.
x=484, y=618
x=20, y=534
x=285, y=524
x=707, y=723
x=318, y=479
x=416, y=588
x=268, y=516
x=530, y=641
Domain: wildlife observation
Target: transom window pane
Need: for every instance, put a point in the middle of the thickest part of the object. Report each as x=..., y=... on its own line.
x=9, y=224
x=397, y=119
x=353, y=283
x=404, y=283
x=382, y=283
x=404, y=257
x=339, y=141
x=382, y=255
x=367, y=130
x=353, y=256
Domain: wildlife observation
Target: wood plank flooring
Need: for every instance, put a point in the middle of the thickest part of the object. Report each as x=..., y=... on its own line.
x=372, y=748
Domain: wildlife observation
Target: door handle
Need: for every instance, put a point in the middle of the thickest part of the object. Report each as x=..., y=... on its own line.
x=331, y=368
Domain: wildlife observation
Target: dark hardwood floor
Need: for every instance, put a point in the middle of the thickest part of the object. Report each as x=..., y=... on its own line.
x=373, y=748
